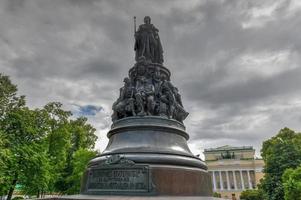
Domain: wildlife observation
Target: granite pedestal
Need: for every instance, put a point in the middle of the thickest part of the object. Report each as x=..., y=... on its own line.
x=147, y=156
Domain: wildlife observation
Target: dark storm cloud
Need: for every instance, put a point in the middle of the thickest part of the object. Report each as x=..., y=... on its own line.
x=254, y=90
x=236, y=63
x=99, y=68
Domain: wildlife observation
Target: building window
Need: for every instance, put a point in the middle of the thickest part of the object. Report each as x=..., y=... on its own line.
x=253, y=181
x=245, y=179
x=238, y=179
x=224, y=179
x=217, y=180
x=231, y=180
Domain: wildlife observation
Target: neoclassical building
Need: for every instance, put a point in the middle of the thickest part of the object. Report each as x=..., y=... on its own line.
x=233, y=169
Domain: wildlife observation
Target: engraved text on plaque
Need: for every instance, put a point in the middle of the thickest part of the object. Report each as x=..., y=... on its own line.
x=123, y=179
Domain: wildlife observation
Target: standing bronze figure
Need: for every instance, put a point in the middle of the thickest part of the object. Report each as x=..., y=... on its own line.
x=147, y=42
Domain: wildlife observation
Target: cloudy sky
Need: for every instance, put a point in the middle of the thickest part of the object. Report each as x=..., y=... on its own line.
x=236, y=63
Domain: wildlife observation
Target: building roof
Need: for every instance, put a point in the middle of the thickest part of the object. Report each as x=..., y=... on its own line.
x=228, y=148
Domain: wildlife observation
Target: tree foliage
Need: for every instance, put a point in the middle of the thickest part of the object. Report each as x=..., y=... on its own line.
x=8, y=96
x=279, y=153
x=79, y=162
x=292, y=184
x=43, y=150
x=9, y=102
x=25, y=132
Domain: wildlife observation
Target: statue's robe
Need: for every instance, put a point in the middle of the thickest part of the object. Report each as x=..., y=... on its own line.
x=148, y=44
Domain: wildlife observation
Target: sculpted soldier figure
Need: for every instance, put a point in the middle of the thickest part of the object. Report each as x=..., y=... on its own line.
x=124, y=105
x=145, y=96
x=147, y=42
x=167, y=97
x=177, y=96
x=157, y=80
x=180, y=114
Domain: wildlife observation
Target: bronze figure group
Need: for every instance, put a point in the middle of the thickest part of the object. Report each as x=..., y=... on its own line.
x=148, y=91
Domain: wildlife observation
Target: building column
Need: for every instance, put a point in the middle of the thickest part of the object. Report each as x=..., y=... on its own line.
x=242, y=180
x=249, y=179
x=221, y=180
x=228, y=180
x=214, y=183
x=234, y=177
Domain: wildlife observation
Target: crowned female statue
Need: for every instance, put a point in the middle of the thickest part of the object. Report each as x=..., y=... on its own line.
x=147, y=43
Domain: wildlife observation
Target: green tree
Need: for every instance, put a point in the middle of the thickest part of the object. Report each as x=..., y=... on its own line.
x=83, y=134
x=4, y=157
x=40, y=149
x=82, y=137
x=8, y=97
x=58, y=142
x=279, y=153
x=251, y=195
x=25, y=135
x=292, y=184
x=80, y=160
x=9, y=101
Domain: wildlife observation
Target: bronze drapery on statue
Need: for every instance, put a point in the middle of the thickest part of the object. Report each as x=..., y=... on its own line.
x=147, y=43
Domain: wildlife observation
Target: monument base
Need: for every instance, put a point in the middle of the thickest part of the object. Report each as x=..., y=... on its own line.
x=147, y=156
x=172, y=180
x=148, y=180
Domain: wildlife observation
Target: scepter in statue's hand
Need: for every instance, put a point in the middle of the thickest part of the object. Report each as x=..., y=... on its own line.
x=135, y=24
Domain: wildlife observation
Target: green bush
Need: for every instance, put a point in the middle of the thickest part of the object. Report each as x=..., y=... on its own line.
x=251, y=195
x=216, y=194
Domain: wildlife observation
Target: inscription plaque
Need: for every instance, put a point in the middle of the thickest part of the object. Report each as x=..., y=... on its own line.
x=119, y=179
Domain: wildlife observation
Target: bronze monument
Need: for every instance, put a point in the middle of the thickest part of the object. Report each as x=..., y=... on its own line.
x=147, y=153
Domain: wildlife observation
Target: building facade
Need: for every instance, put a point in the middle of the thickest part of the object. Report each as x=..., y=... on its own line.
x=233, y=169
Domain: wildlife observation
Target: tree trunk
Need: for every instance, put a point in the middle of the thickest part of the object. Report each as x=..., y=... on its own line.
x=38, y=194
x=12, y=187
